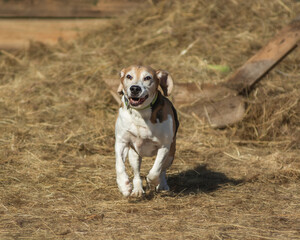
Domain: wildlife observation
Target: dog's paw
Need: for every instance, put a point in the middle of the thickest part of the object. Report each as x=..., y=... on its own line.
x=162, y=187
x=153, y=179
x=125, y=187
x=137, y=192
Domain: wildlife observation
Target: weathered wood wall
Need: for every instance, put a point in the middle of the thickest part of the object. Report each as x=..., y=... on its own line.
x=66, y=8
x=49, y=20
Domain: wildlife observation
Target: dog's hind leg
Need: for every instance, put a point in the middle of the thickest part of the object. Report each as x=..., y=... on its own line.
x=135, y=162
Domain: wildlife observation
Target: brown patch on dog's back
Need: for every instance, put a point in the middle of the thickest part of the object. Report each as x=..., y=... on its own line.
x=173, y=147
x=157, y=110
x=161, y=109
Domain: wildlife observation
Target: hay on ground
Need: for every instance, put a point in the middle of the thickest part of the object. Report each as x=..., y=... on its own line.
x=57, y=131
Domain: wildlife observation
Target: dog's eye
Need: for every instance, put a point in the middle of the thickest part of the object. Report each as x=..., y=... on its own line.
x=147, y=78
x=129, y=76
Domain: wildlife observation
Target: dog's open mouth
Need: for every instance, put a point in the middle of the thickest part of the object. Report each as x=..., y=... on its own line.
x=135, y=101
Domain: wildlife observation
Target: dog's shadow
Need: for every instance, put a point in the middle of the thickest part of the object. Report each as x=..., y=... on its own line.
x=193, y=181
x=197, y=180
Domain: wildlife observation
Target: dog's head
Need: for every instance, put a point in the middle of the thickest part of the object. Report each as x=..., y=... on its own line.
x=140, y=84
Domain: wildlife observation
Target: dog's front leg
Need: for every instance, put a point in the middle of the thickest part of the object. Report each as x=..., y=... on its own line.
x=124, y=184
x=153, y=177
x=135, y=162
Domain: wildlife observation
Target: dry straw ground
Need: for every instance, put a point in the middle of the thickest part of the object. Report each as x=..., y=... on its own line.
x=57, y=177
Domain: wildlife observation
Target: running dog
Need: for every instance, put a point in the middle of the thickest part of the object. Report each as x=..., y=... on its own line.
x=147, y=124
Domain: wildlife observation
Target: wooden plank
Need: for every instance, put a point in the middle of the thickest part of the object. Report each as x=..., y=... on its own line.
x=66, y=8
x=262, y=62
x=17, y=33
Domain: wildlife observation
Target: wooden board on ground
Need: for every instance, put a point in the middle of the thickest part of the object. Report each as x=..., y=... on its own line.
x=49, y=20
x=67, y=8
x=17, y=33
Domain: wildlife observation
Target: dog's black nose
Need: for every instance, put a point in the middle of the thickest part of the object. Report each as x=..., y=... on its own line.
x=135, y=89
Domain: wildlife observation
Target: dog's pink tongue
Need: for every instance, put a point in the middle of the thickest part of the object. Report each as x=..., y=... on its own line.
x=136, y=102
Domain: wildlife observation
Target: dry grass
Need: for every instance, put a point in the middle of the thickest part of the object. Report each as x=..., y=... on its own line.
x=57, y=132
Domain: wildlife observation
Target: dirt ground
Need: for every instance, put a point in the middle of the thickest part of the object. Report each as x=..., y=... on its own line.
x=57, y=176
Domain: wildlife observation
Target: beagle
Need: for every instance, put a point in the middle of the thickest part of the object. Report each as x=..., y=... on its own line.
x=147, y=124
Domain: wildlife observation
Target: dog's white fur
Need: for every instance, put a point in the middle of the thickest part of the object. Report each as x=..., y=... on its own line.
x=143, y=131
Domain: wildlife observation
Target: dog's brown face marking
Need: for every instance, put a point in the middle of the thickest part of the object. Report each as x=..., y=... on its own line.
x=133, y=75
x=147, y=77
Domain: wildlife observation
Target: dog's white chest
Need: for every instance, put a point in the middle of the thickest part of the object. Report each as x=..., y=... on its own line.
x=144, y=136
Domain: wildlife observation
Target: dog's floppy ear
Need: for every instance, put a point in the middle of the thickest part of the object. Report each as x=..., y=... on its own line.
x=121, y=88
x=165, y=81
